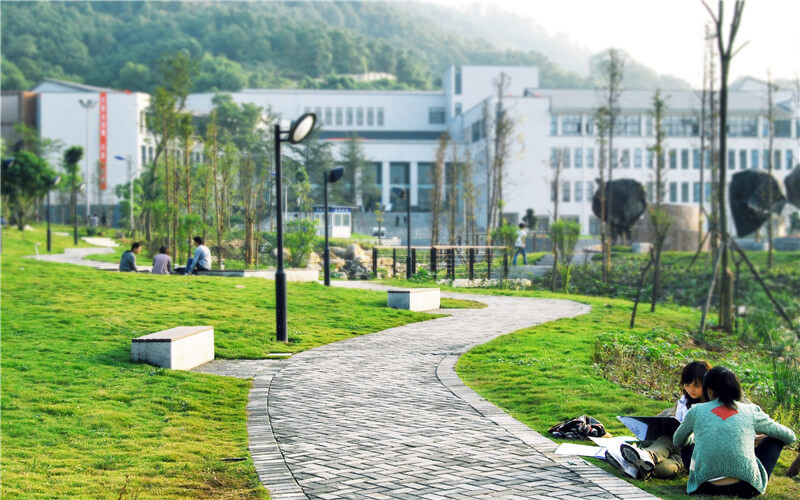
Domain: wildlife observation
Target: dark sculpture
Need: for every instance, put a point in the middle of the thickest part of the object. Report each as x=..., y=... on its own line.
x=792, y=183
x=625, y=201
x=749, y=200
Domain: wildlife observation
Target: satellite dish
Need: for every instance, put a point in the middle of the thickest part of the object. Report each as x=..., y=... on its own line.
x=625, y=201
x=749, y=200
x=792, y=184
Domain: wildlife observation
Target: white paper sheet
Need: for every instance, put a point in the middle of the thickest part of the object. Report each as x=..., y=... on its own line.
x=581, y=450
x=606, y=442
x=637, y=427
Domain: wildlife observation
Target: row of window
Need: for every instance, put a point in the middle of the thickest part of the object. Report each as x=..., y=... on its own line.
x=147, y=155
x=637, y=157
x=349, y=116
x=674, y=126
x=575, y=191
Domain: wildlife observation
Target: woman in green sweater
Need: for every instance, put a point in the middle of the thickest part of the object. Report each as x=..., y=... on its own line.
x=725, y=460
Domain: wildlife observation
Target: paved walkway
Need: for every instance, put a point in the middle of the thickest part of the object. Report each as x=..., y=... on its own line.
x=385, y=416
x=78, y=256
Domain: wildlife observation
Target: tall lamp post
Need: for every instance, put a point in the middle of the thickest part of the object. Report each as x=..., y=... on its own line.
x=75, y=191
x=130, y=178
x=404, y=193
x=296, y=133
x=331, y=176
x=53, y=184
x=87, y=104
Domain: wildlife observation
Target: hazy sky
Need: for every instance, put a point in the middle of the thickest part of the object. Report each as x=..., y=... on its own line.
x=667, y=35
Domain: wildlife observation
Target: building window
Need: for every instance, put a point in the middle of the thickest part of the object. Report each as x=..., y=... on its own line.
x=458, y=109
x=436, y=115
x=696, y=159
x=765, y=159
x=614, y=158
x=649, y=191
x=349, y=117
x=425, y=183
x=370, y=116
x=754, y=158
x=696, y=193
x=637, y=158
x=649, y=159
x=742, y=159
x=380, y=117
x=143, y=121
x=553, y=125
x=789, y=159
x=589, y=157
x=553, y=191
x=742, y=126
x=578, y=191
x=589, y=190
x=571, y=125
x=673, y=192
x=707, y=158
x=338, y=116
x=673, y=159
x=399, y=177
x=731, y=160
x=649, y=126
x=144, y=155
x=681, y=126
x=320, y=117
x=566, y=191
x=782, y=128
x=626, y=158
x=776, y=163
x=565, y=157
x=628, y=125
x=554, y=157
x=578, y=158
x=708, y=190
x=589, y=126
x=685, y=192
x=476, y=131
x=150, y=153
x=328, y=116
x=458, y=81
x=685, y=159
x=359, y=116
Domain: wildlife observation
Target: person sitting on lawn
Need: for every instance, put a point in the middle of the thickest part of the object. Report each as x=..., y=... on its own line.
x=724, y=461
x=202, y=257
x=660, y=458
x=162, y=263
x=127, y=264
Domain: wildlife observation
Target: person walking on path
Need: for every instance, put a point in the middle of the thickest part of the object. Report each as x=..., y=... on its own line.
x=519, y=245
x=162, y=263
x=724, y=461
x=127, y=264
x=202, y=257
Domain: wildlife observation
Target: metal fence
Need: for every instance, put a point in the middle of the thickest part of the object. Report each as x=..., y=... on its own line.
x=439, y=261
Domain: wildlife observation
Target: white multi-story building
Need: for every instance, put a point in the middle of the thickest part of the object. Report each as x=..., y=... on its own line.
x=399, y=131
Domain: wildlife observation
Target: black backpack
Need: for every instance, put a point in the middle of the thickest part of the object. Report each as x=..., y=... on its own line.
x=579, y=428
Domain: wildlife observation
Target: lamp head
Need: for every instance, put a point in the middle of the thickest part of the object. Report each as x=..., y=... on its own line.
x=335, y=174
x=302, y=127
x=56, y=180
x=399, y=192
x=119, y=157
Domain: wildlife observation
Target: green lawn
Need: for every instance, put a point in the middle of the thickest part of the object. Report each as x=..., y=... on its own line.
x=447, y=303
x=80, y=420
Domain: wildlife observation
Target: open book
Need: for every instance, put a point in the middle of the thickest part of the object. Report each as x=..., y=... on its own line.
x=650, y=428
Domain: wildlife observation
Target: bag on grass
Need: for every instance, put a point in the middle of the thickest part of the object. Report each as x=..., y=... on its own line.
x=582, y=427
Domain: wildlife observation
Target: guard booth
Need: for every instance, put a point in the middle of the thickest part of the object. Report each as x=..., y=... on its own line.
x=340, y=220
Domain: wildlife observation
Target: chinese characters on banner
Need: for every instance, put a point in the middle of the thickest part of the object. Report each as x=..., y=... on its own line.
x=103, y=137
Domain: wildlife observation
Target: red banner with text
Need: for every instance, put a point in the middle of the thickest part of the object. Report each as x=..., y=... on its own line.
x=103, y=139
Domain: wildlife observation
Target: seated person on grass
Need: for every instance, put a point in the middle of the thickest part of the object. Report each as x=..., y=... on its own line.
x=127, y=263
x=162, y=263
x=202, y=257
x=724, y=460
x=660, y=458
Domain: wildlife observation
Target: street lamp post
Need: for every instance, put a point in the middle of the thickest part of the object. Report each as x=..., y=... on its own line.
x=87, y=104
x=405, y=193
x=330, y=176
x=298, y=131
x=53, y=183
x=130, y=178
x=75, y=191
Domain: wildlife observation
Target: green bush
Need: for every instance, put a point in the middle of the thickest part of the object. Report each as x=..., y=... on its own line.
x=299, y=240
x=505, y=235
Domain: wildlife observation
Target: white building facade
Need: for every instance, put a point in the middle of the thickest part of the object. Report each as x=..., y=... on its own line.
x=400, y=130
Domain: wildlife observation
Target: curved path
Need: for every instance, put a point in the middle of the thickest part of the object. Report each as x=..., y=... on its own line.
x=386, y=416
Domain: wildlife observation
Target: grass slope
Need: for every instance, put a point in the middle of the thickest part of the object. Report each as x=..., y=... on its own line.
x=80, y=420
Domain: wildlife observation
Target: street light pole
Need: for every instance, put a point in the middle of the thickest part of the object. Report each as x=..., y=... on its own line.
x=49, y=235
x=130, y=178
x=332, y=176
x=408, y=227
x=299, y=131
x=87, y=104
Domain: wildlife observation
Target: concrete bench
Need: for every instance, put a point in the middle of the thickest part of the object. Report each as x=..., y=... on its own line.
x=179, y=348
x=414, y=299
x=292, y=274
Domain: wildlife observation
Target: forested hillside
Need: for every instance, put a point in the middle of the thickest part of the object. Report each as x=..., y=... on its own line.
x=243, y=44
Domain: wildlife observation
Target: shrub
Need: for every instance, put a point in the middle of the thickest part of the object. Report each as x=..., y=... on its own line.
x=299, y=240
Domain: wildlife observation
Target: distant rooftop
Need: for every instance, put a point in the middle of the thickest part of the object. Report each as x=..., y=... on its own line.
x=54, y=85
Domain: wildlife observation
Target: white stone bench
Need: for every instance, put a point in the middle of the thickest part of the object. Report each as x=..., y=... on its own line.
x=414, y=299
x=179, y=348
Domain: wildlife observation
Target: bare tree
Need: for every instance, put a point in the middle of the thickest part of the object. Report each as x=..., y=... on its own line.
x=470, y=197
x=726, y=53
x=436, y=194
x=556, y=168
x=659, y=219
x=454, y=182
x=611, y=74
x=601, y=127
x=770, y=155
x=497, y=158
